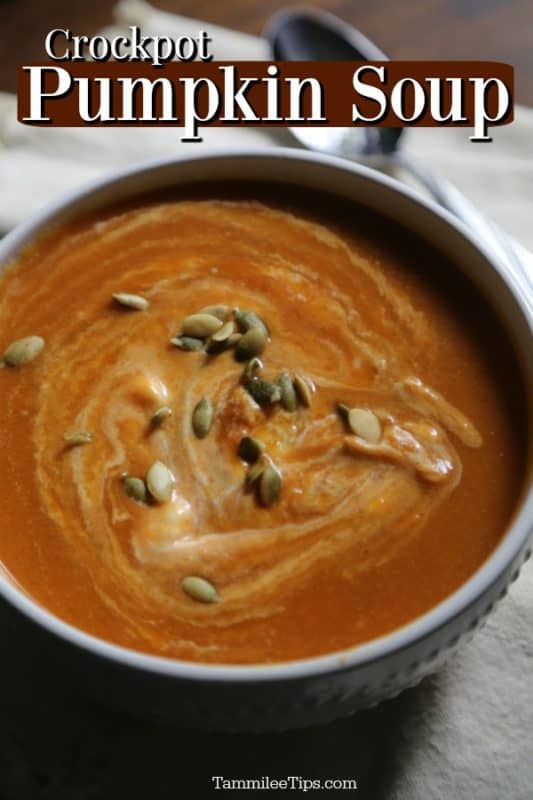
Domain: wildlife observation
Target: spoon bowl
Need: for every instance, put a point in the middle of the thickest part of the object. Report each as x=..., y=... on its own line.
x=314, y=35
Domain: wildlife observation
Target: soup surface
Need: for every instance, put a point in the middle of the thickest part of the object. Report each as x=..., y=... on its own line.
x=355, y=525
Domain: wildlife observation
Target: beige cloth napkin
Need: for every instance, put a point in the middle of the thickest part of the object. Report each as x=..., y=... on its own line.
x=468, y=732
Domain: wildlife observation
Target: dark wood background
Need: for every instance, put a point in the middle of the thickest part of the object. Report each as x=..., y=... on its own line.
x=498, y=30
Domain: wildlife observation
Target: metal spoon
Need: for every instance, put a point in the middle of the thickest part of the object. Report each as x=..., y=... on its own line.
x=314, y=35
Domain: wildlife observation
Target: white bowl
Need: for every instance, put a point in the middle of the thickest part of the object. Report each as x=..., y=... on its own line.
x=318, y=689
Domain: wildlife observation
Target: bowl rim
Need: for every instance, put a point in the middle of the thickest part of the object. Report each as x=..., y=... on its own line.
x=421, y=627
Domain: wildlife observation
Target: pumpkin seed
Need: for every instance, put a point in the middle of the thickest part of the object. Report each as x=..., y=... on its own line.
x=251, y=369
x=303, y=390
x=252, y=343
x=233, y=339
x=202, y=418
x=199, y=589
x=219, y=311
x=200, y=325
x=246, y=320
x=159, y=416
x=269, y=488
x=365, y=424
x=250, y=449
x=77, y=438
x=255, y=471
x=263, y=392
x=343, y=411
x=22, y=351
x=187, y=342
x=133, y=301
x=213, y=348
x=223, y=339
x=135, y=488
x=160, y=482
x=224, y=332
x=289, y=399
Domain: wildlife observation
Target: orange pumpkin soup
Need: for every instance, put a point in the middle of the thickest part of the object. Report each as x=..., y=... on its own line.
x=252, y=429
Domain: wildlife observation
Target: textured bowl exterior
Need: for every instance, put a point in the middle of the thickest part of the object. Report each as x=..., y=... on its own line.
x=311, y=691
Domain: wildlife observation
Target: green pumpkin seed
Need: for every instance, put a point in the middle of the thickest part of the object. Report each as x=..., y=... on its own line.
x=219, y=311
x=223, y=333
x=202, y=418
x=289, y=399
x=255, y=471
x=250, y=449
x=269, y=487
x=223, y=339
x=22, y=351
x=159, y=416
x=246, y=320
x=214, y=348
x=133, y=301
x=199, y=589
x=160, y=482
x=187, y=342
x=252, y=343
x=365, y=424
x=200, y=326
x=77, y=438
x=303, y=390
x=263, y=392
x=343, y=411
x=135, y=488
x=251, y=369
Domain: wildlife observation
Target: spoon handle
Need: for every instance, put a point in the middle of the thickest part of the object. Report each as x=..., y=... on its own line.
x=450, y=198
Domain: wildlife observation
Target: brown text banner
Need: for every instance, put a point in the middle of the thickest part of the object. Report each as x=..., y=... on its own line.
x=473, y=94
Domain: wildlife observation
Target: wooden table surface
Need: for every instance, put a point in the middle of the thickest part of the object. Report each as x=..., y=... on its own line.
x=442, y=29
